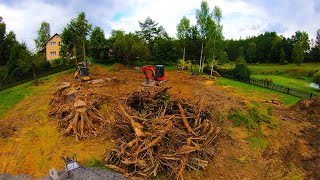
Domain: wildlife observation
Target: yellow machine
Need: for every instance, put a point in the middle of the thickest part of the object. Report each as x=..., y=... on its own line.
x=82, y=72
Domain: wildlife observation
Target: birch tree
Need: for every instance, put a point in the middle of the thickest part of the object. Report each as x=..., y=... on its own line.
x=183, y=29
x=43, y=35
x=203, y=15
x=216, y=29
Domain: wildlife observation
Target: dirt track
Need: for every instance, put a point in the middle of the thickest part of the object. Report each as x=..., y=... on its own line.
x=31, y=142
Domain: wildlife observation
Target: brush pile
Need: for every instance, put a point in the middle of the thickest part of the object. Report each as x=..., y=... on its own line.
x=154, y=134
x=77, y=110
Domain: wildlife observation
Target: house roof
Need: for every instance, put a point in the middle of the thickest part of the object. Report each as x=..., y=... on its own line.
x=51, y=38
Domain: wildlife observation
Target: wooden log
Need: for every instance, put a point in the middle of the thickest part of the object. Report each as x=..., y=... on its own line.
x=184, y=119
x=137, y=127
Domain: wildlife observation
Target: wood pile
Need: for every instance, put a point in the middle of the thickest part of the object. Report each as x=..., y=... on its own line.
x=155, y=134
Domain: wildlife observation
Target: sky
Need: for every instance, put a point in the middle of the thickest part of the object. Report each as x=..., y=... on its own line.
x=240, y=18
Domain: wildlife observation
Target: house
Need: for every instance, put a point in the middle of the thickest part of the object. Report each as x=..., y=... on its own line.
x=52, y=47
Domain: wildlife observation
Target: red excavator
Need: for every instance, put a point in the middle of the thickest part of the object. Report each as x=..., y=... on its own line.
x=154, y=76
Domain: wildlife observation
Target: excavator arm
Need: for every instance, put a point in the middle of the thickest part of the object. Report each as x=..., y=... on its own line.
x=149, y=72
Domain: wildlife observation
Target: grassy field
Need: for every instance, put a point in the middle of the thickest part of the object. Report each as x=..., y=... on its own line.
x=284, y=69
x=257, y=91
x=11, y=96
x=290, y=82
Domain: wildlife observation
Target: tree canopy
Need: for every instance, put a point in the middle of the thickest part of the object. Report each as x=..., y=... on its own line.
x=43, y=35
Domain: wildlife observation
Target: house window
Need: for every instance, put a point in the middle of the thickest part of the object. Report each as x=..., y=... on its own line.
x=60, y=43
x=52, y=43
x=53, y=53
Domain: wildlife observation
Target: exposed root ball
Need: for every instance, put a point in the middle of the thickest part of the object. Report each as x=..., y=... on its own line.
x=77, y=111
x=154, y=134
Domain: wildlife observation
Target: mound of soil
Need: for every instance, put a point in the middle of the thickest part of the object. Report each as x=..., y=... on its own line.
x=118, y=67
x=306, y=150
x=310, y=109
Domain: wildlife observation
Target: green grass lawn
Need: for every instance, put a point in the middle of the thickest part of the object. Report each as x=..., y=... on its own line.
x=10, y=97
x=289, y=68
x=302, y=84
x=258, y=91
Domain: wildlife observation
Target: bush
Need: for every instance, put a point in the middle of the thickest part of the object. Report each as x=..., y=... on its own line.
x=62, y=62
x=241, y=72
x=312, y=72
x=316, y=78
x=187, y=64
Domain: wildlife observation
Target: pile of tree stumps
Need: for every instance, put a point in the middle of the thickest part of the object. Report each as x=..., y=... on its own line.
x=155, y=134
x=76, y=108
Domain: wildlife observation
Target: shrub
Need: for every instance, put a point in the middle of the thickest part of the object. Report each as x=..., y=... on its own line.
x=312, y=72
x=186, y=64
x=316, y=78
x=62, y=62
x=241, y=72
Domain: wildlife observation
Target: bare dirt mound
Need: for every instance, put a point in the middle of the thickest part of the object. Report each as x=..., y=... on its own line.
x=118, y=67
x=306, y=150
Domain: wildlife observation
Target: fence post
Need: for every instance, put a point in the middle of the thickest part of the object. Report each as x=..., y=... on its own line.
x=288, y=90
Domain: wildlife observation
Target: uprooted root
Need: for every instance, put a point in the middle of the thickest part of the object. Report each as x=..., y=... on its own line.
x=77, y=111
x=155, y=135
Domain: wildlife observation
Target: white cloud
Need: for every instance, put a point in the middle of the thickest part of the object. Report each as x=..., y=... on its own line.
x=241, y=18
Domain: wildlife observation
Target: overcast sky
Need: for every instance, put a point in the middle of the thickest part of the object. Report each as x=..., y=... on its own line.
x=241, y=18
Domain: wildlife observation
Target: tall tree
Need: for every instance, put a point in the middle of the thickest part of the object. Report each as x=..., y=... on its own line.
x=193, y=45
x=241, y=58
x=149, y=30
x=8, y=42
x=74, y=38
x=317, y=41
x=303, y=37
x=128, y=47
x=19, y=62
x=203, y=15
x=183, y=29
x=98, y=45
x=2, y=37
x=283, y=57
x=251, y=52
x=43, y=35
x=297, y=53
x=215, y=32
x=164, y=51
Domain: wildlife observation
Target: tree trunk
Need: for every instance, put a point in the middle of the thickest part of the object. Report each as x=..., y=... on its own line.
x=184, y=53
x=213, y=57
x=201, y=57
x=212, y=65
x=34, y=73
x=202, y=64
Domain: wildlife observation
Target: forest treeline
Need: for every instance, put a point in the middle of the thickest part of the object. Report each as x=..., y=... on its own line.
x=201, y=44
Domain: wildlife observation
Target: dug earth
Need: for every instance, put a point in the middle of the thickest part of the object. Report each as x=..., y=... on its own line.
x=188, y=128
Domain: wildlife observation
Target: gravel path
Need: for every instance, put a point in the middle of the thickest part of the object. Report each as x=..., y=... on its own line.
x=87, y=173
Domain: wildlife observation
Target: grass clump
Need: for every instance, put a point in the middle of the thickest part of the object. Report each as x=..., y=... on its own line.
x=257, y=143
x=96, y=164
x=253, y=117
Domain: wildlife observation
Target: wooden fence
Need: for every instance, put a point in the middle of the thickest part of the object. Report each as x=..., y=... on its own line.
x=281, y=88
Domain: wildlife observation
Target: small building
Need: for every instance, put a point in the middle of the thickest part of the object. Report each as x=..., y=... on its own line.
x=52, y=47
